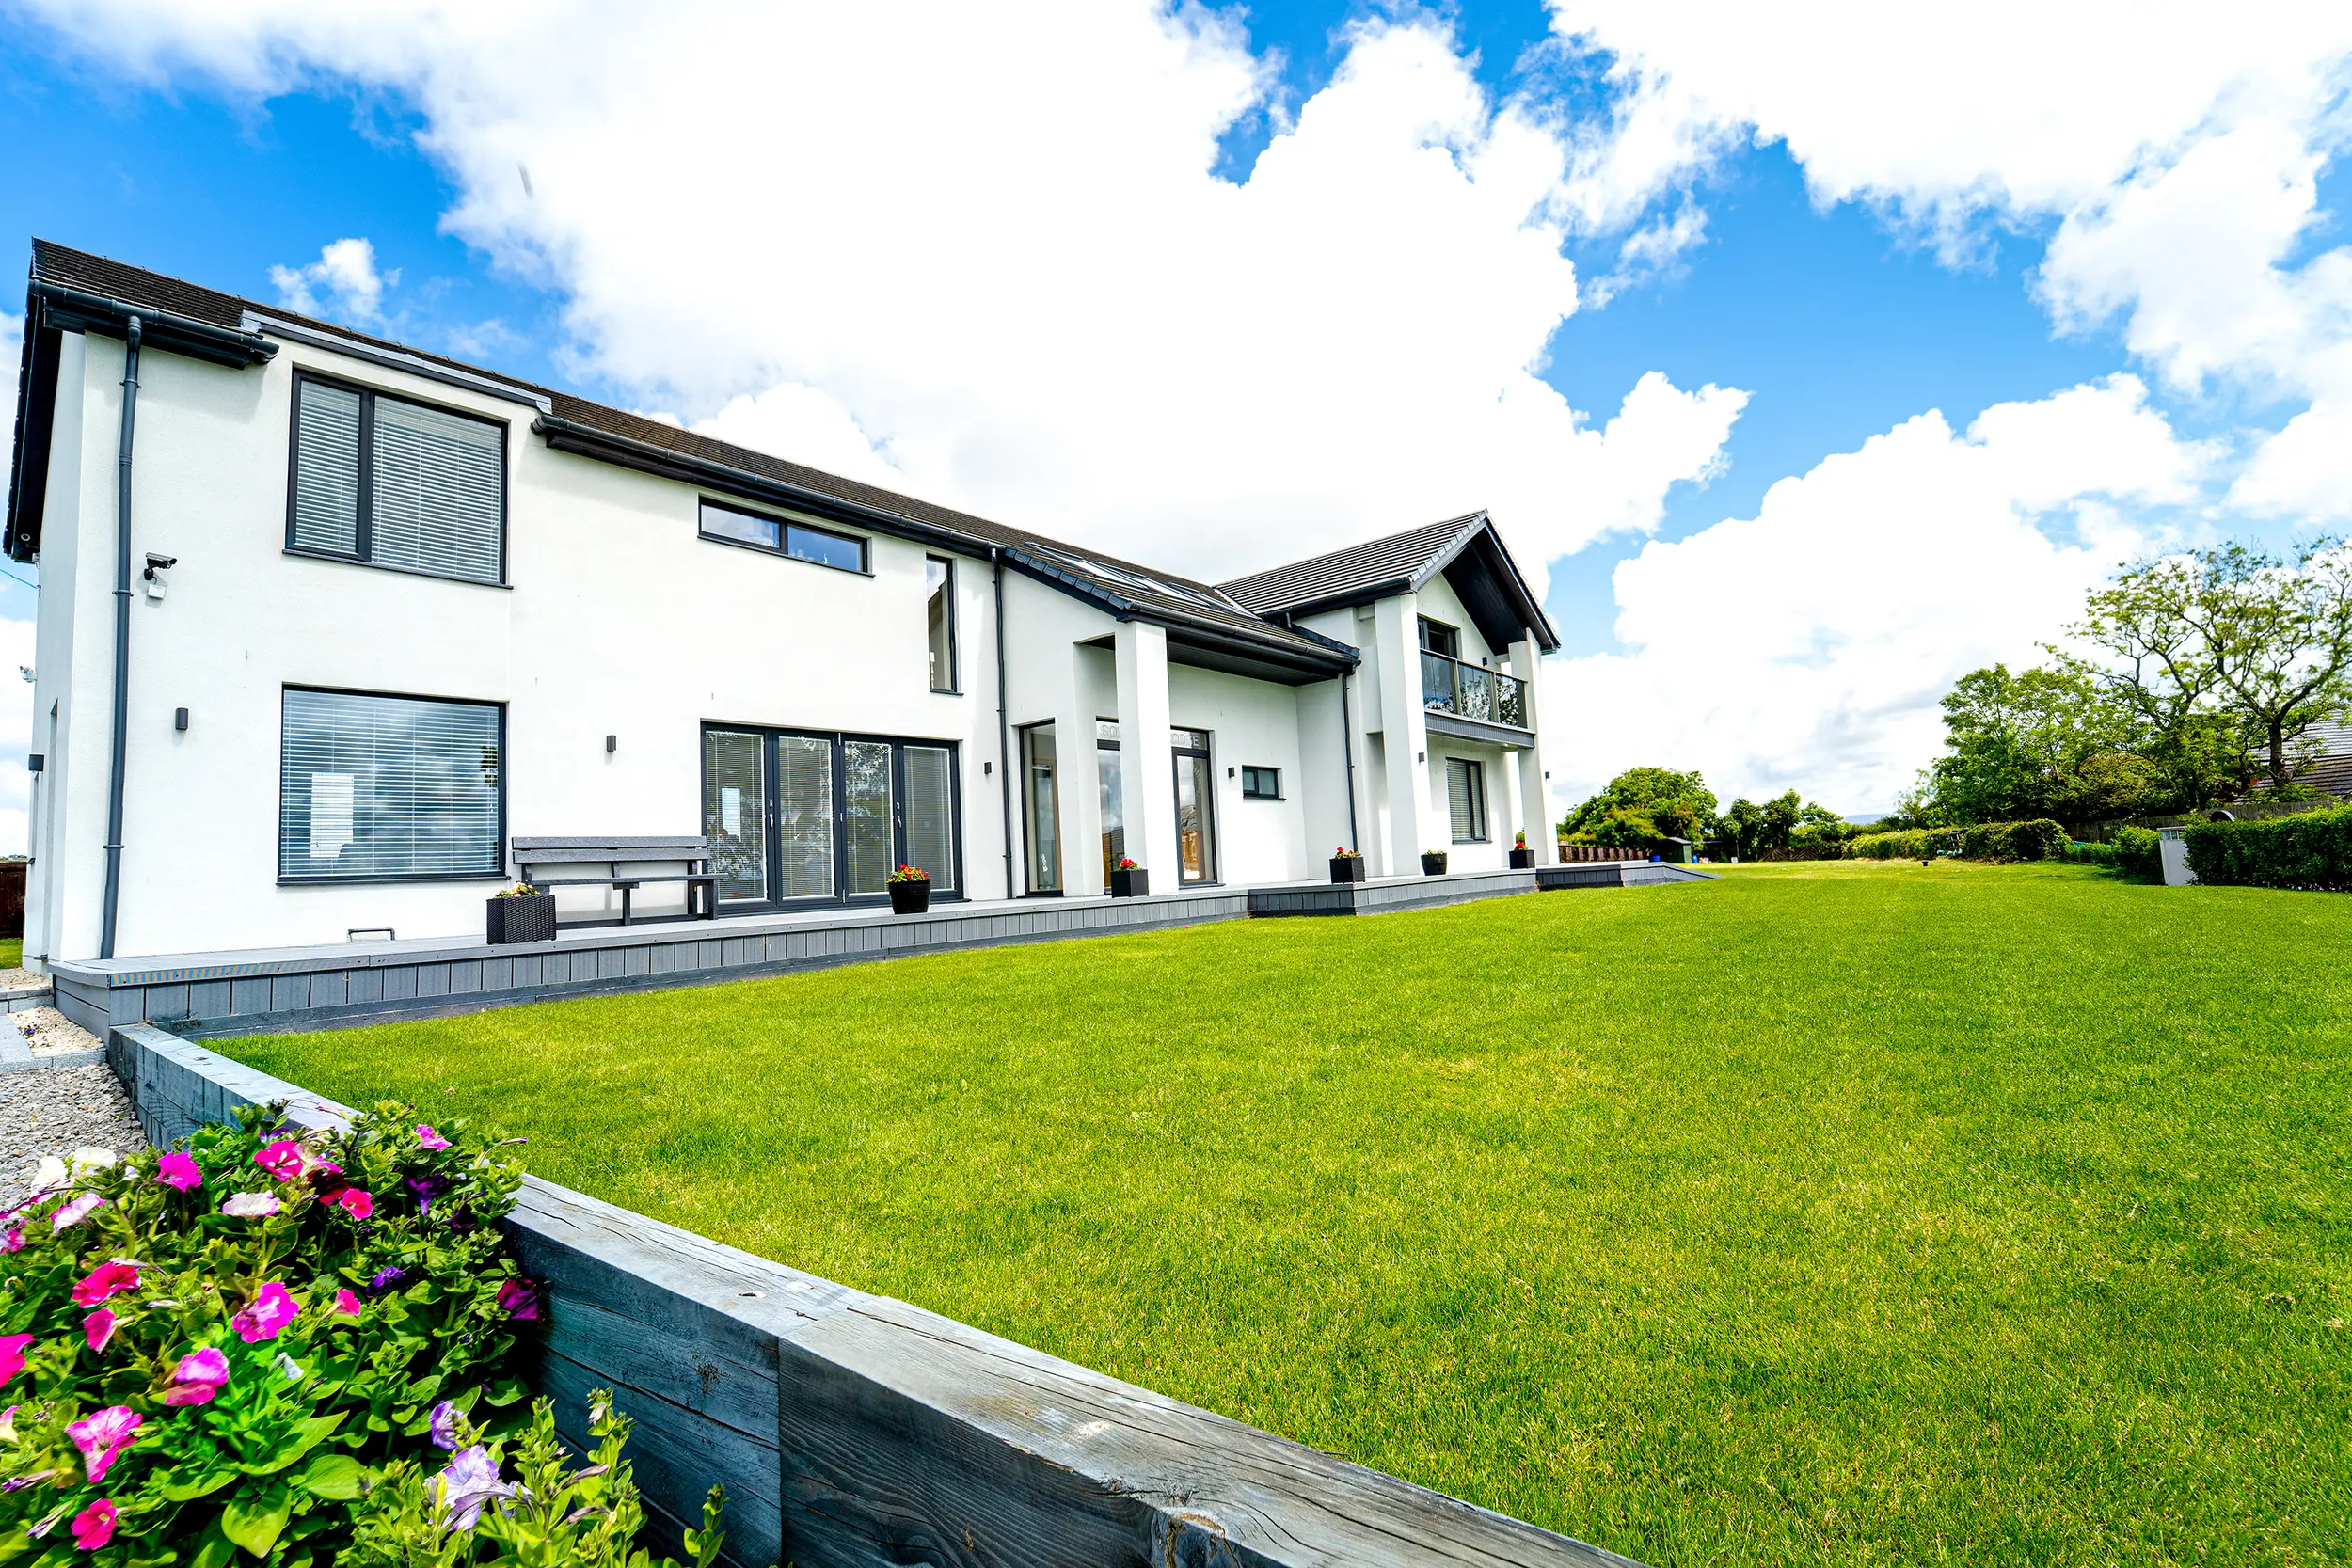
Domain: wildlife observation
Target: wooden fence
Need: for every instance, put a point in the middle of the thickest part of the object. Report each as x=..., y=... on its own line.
x=1574, y=854
x=852, y=1431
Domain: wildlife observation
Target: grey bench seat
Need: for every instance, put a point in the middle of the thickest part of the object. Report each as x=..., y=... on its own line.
x=575, y=863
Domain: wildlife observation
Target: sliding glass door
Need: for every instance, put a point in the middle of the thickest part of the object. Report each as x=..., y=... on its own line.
x=796, y=819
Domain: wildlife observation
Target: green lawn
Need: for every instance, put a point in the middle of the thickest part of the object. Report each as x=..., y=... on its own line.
x=11, y=952
x=1840, y=1212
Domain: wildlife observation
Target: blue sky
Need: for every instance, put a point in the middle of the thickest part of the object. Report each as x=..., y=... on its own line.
x=1818, y=291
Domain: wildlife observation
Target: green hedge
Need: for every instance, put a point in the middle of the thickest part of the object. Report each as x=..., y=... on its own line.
x=2136, y=851
x=2094, y=853
x=2311, y=851
x=2038, y=839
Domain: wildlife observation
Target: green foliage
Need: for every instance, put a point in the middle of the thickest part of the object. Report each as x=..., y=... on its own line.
x=2311, y=851
x=2094, y=853
x=2038, y=840
x=550, y=1516
x=1844, y=1212
x=2038, y=743
x=260, y=1365
x=1641, y=806
x=2139, y=852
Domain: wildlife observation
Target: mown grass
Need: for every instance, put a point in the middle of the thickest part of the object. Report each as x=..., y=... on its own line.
x=1837, y=1212
x=11, y=952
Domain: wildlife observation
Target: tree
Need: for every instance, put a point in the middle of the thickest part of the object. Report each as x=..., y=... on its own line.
x=1641, y=806
x=1744, y=826
x=2279, y=638
x=2018, y=744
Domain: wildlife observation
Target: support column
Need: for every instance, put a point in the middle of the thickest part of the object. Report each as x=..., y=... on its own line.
x=1534, y=794
x=1147, y=770
x=1405, y=735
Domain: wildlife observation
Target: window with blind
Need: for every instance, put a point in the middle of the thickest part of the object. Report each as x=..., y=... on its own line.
x=1466, y=799
x=388, y=482
x=389, y=788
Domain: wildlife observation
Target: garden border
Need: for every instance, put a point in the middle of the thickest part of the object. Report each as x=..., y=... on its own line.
x=853, y=1431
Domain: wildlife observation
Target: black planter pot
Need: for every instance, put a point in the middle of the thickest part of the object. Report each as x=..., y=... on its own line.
x=1523, y=859
x=908, y=897
x=529, y=917
x=1347, y=869
x=1130, y=884
x=1433, y=862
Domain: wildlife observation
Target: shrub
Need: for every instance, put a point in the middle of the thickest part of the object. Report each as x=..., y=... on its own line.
x=2094, y=854
x=2311, y=850
x=2138, y=850
x=2040, y=839
x=205, y=1351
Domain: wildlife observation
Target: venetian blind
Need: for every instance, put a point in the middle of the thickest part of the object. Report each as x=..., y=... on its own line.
x=438, y=485
x=930, y=816
x=387, y=786
x=327, y=470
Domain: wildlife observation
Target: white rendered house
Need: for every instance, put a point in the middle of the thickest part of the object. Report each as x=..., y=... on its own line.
x=325, y=622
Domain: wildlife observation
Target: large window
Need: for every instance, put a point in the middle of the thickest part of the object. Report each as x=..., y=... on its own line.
x=801, y=541
x=1466, y=799
x=793, y=818
x=388, y=482
x=939, y=595
x=1040, y=807
x=386, y=788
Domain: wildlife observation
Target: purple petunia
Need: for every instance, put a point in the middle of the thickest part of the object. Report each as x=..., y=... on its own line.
x=386, y=1277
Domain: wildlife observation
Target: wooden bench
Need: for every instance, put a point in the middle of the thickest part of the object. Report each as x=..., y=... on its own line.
x=579, y=856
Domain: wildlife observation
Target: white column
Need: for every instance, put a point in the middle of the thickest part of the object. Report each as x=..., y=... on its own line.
x=1075, y=776
x=1534, y=796
x=1405, y=735
x=1147, y=773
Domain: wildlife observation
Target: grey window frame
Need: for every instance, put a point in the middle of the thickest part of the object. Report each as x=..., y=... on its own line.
x=781, y=548
x=506, y=771
x=1249, y=794
x=769, y=735
x=1480, y=814
x=363, y=527
x=954, y=654
x=1451, y=635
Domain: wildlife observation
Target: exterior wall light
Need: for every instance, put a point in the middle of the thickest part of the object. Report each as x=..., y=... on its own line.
x=179, y=720
x=611, y=744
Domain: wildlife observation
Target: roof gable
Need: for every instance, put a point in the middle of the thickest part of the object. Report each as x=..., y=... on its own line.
x=1467, y=551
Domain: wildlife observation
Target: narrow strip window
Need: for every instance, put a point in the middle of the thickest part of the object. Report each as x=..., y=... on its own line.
x=939, y=594
x=844, y=552
x=377, y=788
x=388, y=482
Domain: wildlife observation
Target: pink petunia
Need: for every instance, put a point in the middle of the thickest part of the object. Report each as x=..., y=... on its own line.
x=179, y=1171
x=14, y=1239
x=99, y=1328
x=94, y=1526
x=199, y=1375
x=519, y=1298
x=428, y=1138
x=352, y=1201
x=346, y=1304
x=102, y=1437
x=12, y=1355
x=283, y=1159
x=76, y=1211
x=105, y=1280
x=248, y=1205
x=273, y=1309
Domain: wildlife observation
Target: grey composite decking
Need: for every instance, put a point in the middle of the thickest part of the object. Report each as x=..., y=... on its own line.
x=275, y=990
x=852, y=1431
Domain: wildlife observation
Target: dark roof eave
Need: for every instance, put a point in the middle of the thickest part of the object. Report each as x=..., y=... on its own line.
x=71, y=309
x=1275, y=644
x=562, y=435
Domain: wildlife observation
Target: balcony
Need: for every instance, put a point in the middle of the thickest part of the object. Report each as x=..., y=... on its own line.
x=1472, y=692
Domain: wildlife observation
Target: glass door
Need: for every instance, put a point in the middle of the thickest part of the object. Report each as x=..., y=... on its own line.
x=796, y=818
x=735, y=812
x=1113, y=793
x=1040, y=807
x=867, y=820
x=1195, y=808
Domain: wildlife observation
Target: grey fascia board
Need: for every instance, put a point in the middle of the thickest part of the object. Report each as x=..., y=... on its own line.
x=603, y=446
x=1442, y=723
x=71, y=309
x=396, y=360
x=1547, y=635
x=1446, y=555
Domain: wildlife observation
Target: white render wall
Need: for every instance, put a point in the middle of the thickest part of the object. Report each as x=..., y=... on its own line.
x=620, y=620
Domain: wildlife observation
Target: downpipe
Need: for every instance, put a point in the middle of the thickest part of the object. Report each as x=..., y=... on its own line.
x=1004, y=734
x=123, y=642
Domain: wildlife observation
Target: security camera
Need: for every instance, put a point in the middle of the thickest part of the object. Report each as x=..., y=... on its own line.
x=157, y=566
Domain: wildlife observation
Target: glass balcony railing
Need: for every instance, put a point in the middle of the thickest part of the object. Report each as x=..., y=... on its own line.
x=1450, y=686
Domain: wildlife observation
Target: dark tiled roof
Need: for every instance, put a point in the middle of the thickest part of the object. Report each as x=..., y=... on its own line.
x=1320, y=579
x=2328, y=771
x=1155, y=593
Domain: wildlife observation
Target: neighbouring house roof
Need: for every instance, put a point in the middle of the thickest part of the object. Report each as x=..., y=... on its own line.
x=1467, y=551
x=2329, y=769
x=73, y=289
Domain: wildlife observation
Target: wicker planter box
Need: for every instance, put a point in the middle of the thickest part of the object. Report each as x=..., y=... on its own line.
x=1433, y=862
x=1523, y=859
x=908, y=897
x=1347, y=869
x=1130, y=884
x=529, y=917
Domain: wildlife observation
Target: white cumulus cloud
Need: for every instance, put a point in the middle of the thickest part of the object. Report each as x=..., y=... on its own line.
x=983, y=252
x=343, y=284
x=1808, y=646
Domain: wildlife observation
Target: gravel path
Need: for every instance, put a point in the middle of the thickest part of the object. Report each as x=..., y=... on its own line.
x=57, y=1111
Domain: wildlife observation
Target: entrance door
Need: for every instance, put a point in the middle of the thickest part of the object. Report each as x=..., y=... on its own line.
x=796, y=819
